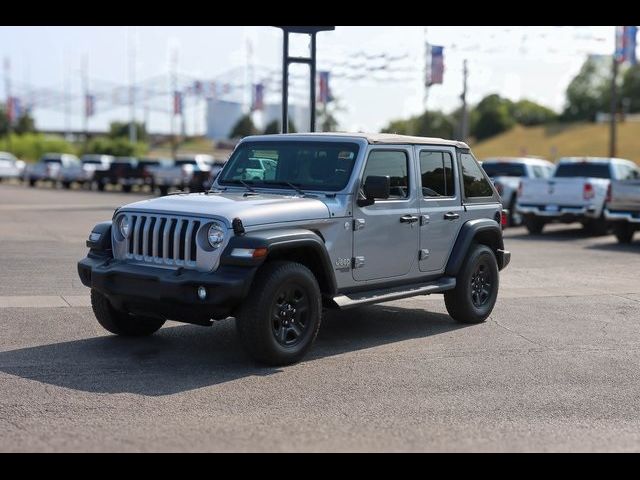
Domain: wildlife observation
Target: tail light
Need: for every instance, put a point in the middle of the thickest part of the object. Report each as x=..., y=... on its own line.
x=588, y=191
x=520, y=189
x=504, y=219
x=608, y=197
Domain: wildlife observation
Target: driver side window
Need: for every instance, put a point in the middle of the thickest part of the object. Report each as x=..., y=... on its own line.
x=392, y=164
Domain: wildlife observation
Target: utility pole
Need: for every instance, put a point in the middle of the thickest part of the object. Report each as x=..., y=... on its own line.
x=174, y=90
x=464, y=122
x=7, y=88
x=67, y=106
x=133, y=134
x=614, y=104
x=427, y=54
x=85, y=90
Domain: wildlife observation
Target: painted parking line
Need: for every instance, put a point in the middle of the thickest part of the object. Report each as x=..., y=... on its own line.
x=44, y=301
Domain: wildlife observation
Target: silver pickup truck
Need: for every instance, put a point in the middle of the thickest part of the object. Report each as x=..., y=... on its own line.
x=346, y=220
x=575, y=193
x=181, y=172
x=623, y=205
x=506, y=174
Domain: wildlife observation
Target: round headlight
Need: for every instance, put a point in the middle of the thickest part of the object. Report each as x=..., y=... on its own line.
x=215, y=235
x=124, y=226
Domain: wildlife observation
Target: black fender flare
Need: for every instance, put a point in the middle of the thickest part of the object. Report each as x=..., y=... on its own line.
x=277, y=241
x=484, y=227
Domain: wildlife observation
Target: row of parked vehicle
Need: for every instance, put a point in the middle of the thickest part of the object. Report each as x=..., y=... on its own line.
x=186, y=172
x=601, y=193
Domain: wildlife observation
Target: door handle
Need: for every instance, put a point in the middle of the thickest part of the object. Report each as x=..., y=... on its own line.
x=408, y=219
x=451, y=216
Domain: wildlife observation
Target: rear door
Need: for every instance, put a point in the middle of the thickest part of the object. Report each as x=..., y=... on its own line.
x=440, y=206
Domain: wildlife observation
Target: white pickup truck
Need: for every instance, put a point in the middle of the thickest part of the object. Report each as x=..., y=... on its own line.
x=506, y=173
x=182, y=172
x=575, y=193
x=623, y=205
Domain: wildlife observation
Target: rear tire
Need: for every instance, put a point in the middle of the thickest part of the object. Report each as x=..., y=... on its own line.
x=597, y=227
x=66, y=185
x=534, y=225
x=164, y=190
x=278, y=323
x=121, y=323
x=624, y=232
x=477, y=284
x=32, y=182
x=514, y=219
x=126, y=188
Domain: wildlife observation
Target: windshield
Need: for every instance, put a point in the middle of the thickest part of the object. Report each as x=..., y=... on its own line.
x=307, y=165
x=180, y=163
x=589, y=170
x=51, y=160
x=499, y=169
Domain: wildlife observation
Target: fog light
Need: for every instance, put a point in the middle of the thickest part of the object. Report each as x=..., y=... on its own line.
x=202, y=293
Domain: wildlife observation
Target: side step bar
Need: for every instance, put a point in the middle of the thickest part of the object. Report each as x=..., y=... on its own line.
x=357, y=299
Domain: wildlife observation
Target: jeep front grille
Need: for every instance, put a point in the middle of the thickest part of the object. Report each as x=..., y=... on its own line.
x=163, y=240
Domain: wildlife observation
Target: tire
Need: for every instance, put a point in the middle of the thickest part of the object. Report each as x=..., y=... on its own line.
x=121, y=323
x=534, y=225
x=280, y=289
x=101, y=187
x=514, y=219
x=474, y=297
x=164, y=190
x=32, y=182
x=126, y=188
x=624, y=233
x=66, y=185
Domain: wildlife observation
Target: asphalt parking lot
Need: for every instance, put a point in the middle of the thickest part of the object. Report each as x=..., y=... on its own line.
x=555, y=368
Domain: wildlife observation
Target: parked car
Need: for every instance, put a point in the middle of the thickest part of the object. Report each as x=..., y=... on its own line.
x=506, y=173
x=84, y=172
x=187, y=172
x=151, y=166
x=49, y=166
x=348, y=220
x=123, y=171
x=260, y=169
x=576, y=192
x=623, y=204
x=216, y=168
x=10, y=167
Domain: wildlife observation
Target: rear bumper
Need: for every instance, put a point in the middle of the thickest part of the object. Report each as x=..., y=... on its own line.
x=563, y=212
x=168, y=293
x=622, y=216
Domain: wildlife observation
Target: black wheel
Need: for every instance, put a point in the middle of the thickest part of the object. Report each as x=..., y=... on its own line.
x=534, y=224
x=66, y=185
x=623, y=232
x=126, y=188
x=32, y=182
x=476, y=287
x=279, y=321
x=164, y=190
x=597, y=226
x=101, y=187
x=514, y=218
x=121, y=323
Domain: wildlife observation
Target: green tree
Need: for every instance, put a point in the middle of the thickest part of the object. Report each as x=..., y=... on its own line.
x=631, y=88
x=428, y=124
x=121, y=130
x=493, y=117
x=528, y=113
x=326, y=119
x=25, y=124
x=589, y=91
x=273, y=127
x=118, y=147
x=4, y=120
x=243, y=127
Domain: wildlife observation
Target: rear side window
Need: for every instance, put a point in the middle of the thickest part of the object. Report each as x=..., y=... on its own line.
x=504, y=169
x=583, y=169
x=475, y=183
x=541, y=172
x=436, y=174
x=392, y=164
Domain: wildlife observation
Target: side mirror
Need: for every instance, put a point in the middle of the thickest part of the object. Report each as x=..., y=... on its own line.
x=375, y=187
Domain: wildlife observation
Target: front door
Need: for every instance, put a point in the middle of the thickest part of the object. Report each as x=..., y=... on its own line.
x=440, y=206
x=385, y=234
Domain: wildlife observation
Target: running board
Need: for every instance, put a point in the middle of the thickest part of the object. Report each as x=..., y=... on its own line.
x=357, y=299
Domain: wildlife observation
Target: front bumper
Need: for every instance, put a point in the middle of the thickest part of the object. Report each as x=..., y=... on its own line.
x=167, y=293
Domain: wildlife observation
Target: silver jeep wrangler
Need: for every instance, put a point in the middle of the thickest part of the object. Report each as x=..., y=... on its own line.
x=345, y=220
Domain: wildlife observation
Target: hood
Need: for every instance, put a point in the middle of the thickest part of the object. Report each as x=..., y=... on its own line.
x=251, y=209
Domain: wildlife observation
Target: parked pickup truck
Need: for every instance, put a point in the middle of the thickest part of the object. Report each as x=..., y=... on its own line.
x=84, y=172
x=347, y=220
x=127, y=172
x=10, y=167
x=623, y=205
x=187, y=172
x=506, y=173
x=575, y=193
x=48, y=167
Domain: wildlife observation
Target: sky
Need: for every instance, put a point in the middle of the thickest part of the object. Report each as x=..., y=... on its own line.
x=535, y=63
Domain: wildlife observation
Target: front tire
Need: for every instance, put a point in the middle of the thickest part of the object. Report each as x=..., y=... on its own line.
x=121, y=323
x=279, y=322
x=476, y=289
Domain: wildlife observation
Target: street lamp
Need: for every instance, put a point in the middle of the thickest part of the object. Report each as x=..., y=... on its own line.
x=311, y=61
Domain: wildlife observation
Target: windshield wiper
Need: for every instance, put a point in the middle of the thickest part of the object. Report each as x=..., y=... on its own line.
x=244, y=184
x=289, y=184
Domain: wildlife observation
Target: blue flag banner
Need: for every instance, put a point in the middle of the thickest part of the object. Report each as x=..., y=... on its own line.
x=436, y=74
